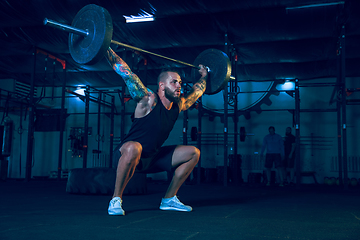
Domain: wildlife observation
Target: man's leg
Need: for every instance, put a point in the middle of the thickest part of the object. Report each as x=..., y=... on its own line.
x=292, y=175
x=292, y=169
x=285, y=171
x=129, y=159
x=280, y=171
x=279, y=166
x=268, y=176
x=285, y=168
x=184, y=159
x=268, y=166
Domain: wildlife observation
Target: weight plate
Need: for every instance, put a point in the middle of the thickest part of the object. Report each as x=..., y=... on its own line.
x=92, y=48
x=220, y=69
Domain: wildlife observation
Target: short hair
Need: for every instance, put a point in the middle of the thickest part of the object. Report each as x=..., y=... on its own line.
x=165, y=71
x=271, y=127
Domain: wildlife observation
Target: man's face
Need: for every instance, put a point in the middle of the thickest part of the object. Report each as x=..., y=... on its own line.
x=288, y=131
x=173, y=87
x=271, y=131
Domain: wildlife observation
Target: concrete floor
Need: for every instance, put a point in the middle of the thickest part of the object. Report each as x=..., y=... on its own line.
x=41, y=209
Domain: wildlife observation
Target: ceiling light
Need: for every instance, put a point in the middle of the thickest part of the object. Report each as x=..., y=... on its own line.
x=287, y=86
x=143, y=17
x=80, y=91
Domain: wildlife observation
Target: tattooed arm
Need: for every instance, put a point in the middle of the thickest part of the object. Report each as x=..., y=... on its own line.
x=145, y=98
x=136, y=88
x=197, y=91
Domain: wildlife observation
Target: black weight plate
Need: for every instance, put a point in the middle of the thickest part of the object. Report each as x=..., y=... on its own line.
x=220, y=69
x=92, y=48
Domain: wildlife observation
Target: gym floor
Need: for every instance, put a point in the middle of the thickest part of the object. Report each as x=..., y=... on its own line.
x=41, y=209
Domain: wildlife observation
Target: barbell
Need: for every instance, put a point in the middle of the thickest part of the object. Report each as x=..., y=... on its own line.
x=242, y=135
x=91, y=35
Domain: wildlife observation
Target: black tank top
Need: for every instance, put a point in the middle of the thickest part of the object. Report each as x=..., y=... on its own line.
x=152, y=130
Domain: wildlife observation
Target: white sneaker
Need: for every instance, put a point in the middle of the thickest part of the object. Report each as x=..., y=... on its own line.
x=115, y=207
x=174, y=204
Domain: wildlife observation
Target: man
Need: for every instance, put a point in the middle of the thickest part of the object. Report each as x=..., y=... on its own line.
x=289, y=159
x=274, y=145
x=154, y=117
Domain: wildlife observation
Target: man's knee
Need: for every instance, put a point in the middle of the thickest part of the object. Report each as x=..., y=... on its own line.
x=195, y=153
x=130, y=152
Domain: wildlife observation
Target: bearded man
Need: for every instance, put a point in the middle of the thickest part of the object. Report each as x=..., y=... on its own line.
x=154, y=117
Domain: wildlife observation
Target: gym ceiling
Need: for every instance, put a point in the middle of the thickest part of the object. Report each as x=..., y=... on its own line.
x=271, y=39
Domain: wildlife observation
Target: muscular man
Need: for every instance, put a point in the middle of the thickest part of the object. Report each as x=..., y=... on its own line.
x=154, y=117
x=274, y=145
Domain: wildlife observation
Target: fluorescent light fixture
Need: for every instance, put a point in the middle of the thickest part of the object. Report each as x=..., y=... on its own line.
x=80, y=91
x=316, y=5
x=288, y=86
x=143, y=17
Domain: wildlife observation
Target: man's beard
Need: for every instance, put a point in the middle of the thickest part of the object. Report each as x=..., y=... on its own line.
x=170, y=95
x=287, y=134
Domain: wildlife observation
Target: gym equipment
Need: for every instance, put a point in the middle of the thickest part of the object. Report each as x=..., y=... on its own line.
x=254, y=178
x=194, y=134
x=309, y=174
x=102, y=181
x=243, y=134
x=6, y=137
x=332, y=181
x=326, y=180
x=88, y=46
x=91, y=35
x=353, y=182
x=337, y=182
x=217, y=60
x=91, y=48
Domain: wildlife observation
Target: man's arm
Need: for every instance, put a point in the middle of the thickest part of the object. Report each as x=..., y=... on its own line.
x=293, y=146
x=282, y=149
x=136, y=88
x=196, y=91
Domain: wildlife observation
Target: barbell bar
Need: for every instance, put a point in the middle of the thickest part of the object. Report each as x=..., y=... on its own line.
x=85, y=33
x=154, y=54
x=65, y=27
x=91, y=35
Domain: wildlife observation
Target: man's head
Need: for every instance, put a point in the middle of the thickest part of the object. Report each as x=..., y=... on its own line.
x=271, y=130
x=288, y=131
x=169, y=83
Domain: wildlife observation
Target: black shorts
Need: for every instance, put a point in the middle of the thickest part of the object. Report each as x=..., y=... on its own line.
x=161, y=161
x=273, y=158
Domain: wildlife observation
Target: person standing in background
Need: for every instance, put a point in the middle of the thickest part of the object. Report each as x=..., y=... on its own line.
x=274, y=145
x=289, y=157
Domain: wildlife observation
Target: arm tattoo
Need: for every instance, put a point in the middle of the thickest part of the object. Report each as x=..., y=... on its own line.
x=136, y=88
x=197, y=91
x=201, y=85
